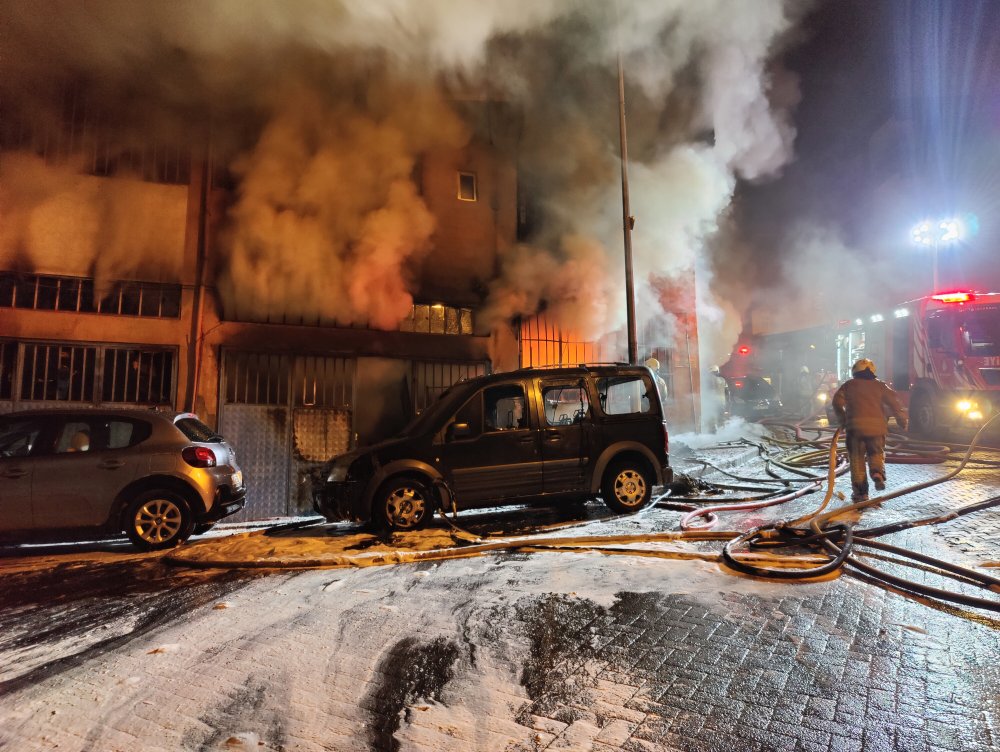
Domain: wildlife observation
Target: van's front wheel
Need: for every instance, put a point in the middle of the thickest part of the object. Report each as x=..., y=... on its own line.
x=403, y=504
x=627, y=486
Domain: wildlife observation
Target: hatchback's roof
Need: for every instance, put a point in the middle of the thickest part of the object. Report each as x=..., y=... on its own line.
x=124, y=412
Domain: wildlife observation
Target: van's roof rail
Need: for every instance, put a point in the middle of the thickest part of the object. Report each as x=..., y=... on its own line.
x=584, y=366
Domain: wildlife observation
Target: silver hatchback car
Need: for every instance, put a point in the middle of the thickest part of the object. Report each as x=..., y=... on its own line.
x=159, y=477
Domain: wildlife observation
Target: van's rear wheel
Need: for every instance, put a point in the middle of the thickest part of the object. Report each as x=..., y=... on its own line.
x=627, y=486
x=403, y=504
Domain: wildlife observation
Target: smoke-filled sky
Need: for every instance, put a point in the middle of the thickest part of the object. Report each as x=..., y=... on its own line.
x=756, y=130
x=899, y=121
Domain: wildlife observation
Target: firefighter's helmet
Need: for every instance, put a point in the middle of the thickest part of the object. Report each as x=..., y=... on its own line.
x=863, y=365
x=652, y=363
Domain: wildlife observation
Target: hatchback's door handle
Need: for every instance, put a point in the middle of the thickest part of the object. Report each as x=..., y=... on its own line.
x=110, y=464
x=526, y=440
x=15, y=472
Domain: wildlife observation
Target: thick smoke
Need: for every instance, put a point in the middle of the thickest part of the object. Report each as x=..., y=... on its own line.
x=322, y=110
x=329, y=218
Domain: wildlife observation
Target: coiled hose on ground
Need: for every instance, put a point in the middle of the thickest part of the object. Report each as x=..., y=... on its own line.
x=838, y=539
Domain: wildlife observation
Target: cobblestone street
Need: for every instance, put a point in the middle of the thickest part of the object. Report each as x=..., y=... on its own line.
x=531, y=651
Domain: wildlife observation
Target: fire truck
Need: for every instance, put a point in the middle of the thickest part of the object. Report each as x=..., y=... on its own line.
x=941, y=353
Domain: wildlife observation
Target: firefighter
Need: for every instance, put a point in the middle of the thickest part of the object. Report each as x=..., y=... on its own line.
x=661, y=386
x=858, y=405
x=805, y=391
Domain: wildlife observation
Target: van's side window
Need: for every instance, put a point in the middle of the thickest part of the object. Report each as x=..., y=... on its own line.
x=472, y=414
x=623, y=396
x=565, y=405
x=505, y=408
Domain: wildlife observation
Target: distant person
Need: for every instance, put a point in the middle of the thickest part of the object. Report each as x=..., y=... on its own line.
x=661, y=385
x=858, y=405
x=804, y=392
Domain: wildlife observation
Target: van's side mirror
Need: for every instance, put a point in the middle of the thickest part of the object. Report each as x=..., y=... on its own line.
x=458, y=431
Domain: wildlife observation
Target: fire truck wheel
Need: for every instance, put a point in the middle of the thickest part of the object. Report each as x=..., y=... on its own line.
x=923, y=420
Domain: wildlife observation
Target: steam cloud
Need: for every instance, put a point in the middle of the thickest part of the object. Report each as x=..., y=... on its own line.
x=324, y=108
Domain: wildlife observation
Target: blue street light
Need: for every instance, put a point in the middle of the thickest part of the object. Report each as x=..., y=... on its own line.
x=934, y=233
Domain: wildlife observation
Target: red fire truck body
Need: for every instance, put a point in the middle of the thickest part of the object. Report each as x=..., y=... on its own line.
x=941, y=353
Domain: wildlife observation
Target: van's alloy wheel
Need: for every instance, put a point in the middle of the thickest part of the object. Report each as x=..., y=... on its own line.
x=405, y=504
x=627, y=486
x=158, y=519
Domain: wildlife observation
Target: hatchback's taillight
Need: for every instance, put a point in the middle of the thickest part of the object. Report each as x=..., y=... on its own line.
x=198, y=456
x=666, y=439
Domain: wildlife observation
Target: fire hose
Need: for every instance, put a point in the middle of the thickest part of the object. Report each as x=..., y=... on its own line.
x=839, y=540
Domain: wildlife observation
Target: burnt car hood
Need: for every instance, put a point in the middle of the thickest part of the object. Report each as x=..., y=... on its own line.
x=344, y=460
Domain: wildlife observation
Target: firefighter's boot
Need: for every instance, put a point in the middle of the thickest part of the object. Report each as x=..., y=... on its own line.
x=879, y=481
x=860, y=491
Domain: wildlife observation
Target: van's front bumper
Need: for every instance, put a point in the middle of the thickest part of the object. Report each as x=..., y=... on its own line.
x=339, y=500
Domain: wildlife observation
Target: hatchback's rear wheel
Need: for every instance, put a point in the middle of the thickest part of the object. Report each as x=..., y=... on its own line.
x=627, y=486
x=158, y=519
x=403, y=504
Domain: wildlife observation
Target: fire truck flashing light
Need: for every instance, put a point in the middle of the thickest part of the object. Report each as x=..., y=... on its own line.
x=953, y=297
x=744, y=350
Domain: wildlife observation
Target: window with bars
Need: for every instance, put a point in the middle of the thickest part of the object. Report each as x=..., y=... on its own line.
x=266, y=379
x=429, y=379
x=49, y=293
x=136, y=376
x=86, y=135
x=257, y=378
x=63, y=372
x=8, y=362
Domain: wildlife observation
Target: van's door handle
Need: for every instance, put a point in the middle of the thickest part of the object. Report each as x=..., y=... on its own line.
x=552, y=435
x=110, y=464
x=15, y=472
x=526, y=440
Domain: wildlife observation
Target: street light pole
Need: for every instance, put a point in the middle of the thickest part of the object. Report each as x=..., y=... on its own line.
x=627, y=220
x=934, y=263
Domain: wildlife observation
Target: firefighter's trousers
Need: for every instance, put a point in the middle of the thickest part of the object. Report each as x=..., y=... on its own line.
x=861, y=449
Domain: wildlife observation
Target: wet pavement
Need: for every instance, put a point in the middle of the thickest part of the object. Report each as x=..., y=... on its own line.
x=513, y=650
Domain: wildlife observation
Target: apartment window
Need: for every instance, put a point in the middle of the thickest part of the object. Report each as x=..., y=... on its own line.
x=467, y=188
x=438, y=319
x=49, y=293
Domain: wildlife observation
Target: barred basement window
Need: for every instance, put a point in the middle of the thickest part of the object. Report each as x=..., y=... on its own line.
x=63, y=373
x=142, y=377
x=8, y=361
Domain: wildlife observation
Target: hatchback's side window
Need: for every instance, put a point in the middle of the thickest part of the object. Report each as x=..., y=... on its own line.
x=18, y=437
x=565, y=405
x=504, y=408
x=127, y=433
x=623, y=396
x=75, y=436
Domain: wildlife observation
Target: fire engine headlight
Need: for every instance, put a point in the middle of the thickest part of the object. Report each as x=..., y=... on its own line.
x=974, y=415
x=963, y=406
x=821, y=397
